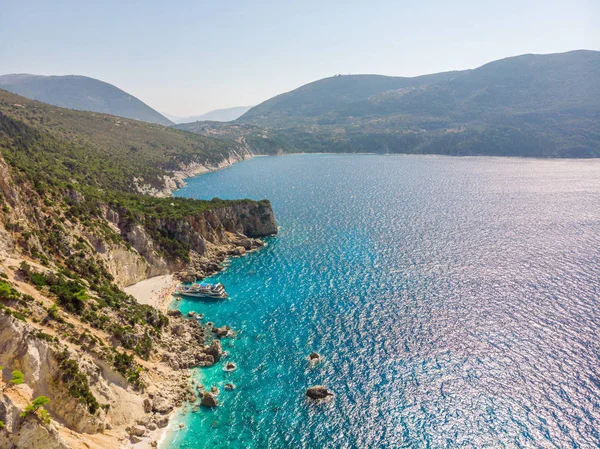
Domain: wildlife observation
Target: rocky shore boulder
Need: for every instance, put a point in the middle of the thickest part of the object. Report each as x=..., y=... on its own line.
x=209, y=400
x=161, y=405
x=216, y=350
x=318, y=392
x=221, y=331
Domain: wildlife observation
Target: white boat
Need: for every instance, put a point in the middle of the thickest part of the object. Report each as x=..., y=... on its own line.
x=202, y=290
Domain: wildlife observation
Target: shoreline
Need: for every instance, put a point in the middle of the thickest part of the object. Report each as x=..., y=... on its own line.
x=177, y=180
x=156, y=291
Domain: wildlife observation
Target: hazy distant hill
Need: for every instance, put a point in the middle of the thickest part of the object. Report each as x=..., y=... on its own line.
x=218, y=115
x=81, y=93
x=529, y=105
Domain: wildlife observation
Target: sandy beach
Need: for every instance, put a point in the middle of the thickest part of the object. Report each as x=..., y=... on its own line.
x=156, y=291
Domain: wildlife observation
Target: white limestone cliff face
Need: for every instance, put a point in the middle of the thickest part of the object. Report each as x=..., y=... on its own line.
x=204, y=233
x=37, y=359
x=19, y=349
x=177, y=179
x=28, y=433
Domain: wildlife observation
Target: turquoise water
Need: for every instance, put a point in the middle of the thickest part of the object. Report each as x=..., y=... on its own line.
x=455, y=300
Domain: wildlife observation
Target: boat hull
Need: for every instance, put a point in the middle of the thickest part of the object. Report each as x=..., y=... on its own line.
x=201, y=295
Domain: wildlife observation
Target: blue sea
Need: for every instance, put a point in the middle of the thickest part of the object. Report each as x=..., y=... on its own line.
x=456, y=303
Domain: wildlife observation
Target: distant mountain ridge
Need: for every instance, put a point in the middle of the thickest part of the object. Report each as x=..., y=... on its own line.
x=81, y=93
x=514, y=81
x=528, y=105
x=216, y=115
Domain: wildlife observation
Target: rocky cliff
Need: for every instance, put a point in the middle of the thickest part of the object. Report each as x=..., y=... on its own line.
x=210, y=235
x=109, y=366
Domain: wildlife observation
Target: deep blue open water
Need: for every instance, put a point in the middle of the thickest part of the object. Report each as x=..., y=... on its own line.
x=456, y=302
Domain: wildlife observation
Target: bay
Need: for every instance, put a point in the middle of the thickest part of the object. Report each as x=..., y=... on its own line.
x=455, y=302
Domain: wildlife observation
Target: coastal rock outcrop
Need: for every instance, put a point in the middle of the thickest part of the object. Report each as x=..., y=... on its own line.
x=318, y=392
x=30, y=433
x=215, y=350
x=224, y=230
x=161, y=405
x=314, y=358
x=209, y=400
x=39, y=361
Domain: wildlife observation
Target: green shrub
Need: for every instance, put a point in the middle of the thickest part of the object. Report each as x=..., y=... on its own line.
x=37, y=408
x=77, y=382
x=43, y=336
x=8, y=293
x=17, y=377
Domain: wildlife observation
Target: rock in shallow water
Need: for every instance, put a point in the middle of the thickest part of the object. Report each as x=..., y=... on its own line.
x=314, y=358
x=230, y=366
x=209, y=400
x=221, y=331
x=215, y=350
x=318, y=392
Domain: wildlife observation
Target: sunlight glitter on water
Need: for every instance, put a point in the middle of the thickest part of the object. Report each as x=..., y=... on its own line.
x=455, y=301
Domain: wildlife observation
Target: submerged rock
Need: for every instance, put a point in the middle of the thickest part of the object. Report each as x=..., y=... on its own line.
x=318, y=392
x=209, y=400
x=191, y=314
x=229, y=386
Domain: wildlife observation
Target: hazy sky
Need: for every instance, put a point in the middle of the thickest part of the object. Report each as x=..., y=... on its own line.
x=187, y=57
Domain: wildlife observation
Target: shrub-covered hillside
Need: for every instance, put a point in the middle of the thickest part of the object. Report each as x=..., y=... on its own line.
x=98, y=150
